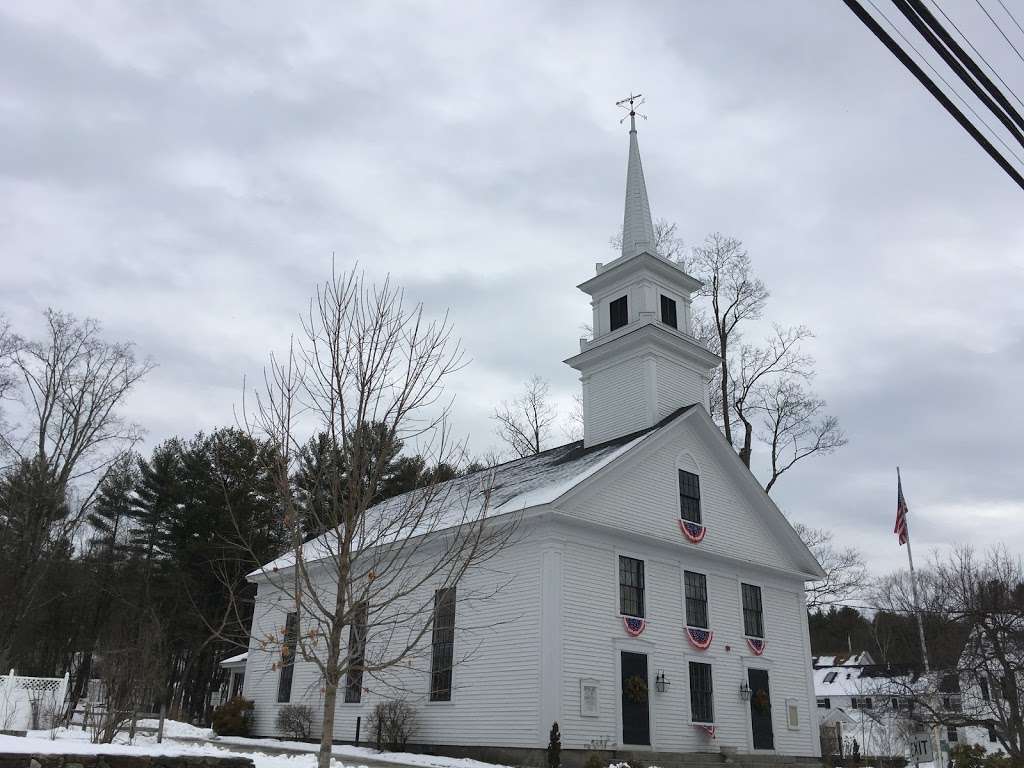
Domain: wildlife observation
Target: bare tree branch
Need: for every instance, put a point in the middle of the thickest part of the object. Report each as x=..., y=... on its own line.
x=524, y=424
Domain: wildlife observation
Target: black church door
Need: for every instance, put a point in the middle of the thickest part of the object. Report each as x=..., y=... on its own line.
x=760, y=709
x=636, y=714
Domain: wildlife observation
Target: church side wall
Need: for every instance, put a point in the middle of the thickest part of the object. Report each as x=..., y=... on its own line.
x=496, y=680
x=594, y=636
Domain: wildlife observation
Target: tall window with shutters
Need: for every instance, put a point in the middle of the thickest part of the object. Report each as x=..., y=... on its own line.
x=631, y=587
x=689, y=497
x=291, y=637
x=702, y=697
x=356, y=652
x=753, y=614
x=442, y=645
x=696, y=599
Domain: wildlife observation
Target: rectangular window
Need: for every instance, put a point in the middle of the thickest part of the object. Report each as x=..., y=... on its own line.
x=696, y=599
x=984, y=688
x=951, y=735
x=992, y=736
x=689, y=497
x=356, y=650
x=831, y=677
x=588, y=698
x=631, y=586
x=824, y=703
x=894, y=703
x=618, y=312
x=668, y=312
x=291, y=636
x=442, y=645
x=702, y=705
x=753, y=619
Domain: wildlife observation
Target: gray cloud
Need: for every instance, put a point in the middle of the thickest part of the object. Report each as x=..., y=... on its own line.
x=187, y=173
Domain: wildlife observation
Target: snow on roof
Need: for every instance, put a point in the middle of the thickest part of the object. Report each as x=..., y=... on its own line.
x=235, y=659
x=517, y=485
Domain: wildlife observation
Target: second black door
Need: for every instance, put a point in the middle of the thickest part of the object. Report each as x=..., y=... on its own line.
x=760, y=709
x=636, y=716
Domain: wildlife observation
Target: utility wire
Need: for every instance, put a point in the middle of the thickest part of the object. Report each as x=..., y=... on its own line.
x=1012, y=17
x=962, y=65
x=947, y=84
x=996, y=25
x=979, y=54
x=869, y=21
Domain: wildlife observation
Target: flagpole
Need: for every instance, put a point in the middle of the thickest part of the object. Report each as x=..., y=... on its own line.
x=913, y=590
x=932, y=731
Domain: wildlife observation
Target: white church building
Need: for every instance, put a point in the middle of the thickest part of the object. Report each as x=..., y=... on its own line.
x=655, y=605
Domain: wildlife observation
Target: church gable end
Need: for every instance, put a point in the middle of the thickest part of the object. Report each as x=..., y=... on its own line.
x=678, y=474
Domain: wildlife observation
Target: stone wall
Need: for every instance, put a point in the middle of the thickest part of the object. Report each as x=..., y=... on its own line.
x=8, y=760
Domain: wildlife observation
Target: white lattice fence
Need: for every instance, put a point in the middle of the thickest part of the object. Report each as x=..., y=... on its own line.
x=31, y=702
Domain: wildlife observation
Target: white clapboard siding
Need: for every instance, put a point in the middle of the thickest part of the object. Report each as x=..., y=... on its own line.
x=496, y=680
x=593, y=636
x=640, y=494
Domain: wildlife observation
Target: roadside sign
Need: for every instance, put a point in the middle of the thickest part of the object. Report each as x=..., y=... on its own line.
x=921, y=747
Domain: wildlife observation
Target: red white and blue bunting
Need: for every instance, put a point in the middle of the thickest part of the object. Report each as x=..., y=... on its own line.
x=634, y=626
x=756, y=645
x=693, y=531
x=708, y=728
x=699, y=638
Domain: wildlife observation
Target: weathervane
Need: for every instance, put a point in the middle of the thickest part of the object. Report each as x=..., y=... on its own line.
x=630, y=103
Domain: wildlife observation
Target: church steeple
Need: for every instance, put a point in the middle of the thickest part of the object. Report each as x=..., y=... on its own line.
x=643, y=362
x=637, y=228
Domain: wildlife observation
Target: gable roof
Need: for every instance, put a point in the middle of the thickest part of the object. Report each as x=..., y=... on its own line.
x=545, y=477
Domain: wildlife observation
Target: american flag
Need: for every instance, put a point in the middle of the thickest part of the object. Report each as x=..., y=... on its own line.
x=901, y=512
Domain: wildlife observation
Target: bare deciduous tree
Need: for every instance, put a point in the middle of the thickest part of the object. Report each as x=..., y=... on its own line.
x=795, y=426
x=735, y=296
x=846, y=574
x=667, y=241
x=70, y=386
x=524, y=424
x=984, y=594
x=364, y=592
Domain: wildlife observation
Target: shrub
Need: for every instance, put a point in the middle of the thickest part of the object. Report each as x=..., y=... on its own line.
x=594, y=761
x=393, y=723
x=555, y=747
x=233, y=718
x=295, y=720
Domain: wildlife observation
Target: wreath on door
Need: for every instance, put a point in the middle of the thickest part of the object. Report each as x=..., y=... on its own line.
x=761, y=701
x=635, y=689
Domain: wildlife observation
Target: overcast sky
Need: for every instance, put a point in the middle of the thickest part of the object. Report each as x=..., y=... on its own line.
x=185, y=172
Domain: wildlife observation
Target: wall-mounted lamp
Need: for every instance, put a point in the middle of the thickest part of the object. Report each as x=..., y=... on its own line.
x=661, y=683
x=744, y=691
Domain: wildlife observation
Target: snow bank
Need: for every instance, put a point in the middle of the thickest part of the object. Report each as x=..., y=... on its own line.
x=362, y=753
x=76, y=742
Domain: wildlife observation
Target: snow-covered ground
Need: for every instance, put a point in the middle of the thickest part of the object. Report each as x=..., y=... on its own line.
x=180, y=739
x=355, y=754
x=75, y=741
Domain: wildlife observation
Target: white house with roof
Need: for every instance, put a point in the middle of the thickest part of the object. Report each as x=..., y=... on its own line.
x=655, y=599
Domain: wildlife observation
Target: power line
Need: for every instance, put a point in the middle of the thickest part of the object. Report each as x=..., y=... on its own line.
x=963, y=66
x=979, y=54
x=996, y=25
x=948, y=84
x=1012, y=17
x=869, y=21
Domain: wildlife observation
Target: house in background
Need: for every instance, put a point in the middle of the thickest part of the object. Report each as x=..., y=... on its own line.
x=655, y=600
x=873, y=703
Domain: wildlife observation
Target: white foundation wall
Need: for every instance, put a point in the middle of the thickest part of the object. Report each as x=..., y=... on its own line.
x=593, y=636
x=496, y=680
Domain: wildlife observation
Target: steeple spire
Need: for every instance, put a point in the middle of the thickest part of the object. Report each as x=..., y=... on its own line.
x=637, y=227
